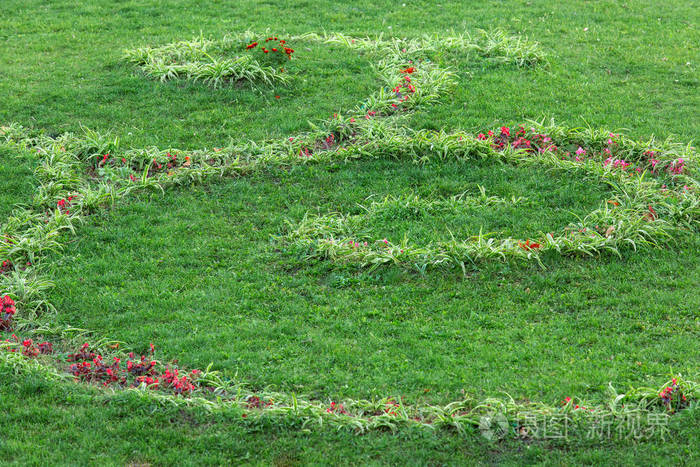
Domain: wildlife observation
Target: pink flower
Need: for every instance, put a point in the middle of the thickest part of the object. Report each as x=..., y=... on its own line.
x=580, y=151
x=677, y=166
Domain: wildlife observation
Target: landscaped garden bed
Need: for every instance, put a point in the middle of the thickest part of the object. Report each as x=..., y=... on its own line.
x=462, y=282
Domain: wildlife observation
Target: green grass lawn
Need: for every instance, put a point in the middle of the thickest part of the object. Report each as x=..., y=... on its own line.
x=18, y=183
x=199, y=270
x=52, y=424
x=199, y=273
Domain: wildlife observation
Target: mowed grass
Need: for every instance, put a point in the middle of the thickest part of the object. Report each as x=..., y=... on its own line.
x=17, y=179
x=197, y=271
x=59, y=424
x=115, y=97
x=636, y=66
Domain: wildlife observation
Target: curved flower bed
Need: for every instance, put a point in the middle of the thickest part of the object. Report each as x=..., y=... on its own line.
x=648, y=408
x=654, y=196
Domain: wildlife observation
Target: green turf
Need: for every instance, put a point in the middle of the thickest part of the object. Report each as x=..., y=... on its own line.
x=635, y=67
x=197, y=271
x=18, y=183
x=61, y=424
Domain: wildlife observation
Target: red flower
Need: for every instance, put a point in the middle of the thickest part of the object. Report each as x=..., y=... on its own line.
x=337, y=408
x=46, y=348
x=7, y=311
x=529, y=246
x=651, y=215
x=408, y=70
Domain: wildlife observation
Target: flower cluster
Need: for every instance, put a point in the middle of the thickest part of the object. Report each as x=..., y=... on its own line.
x=28, y=348
x=354, y=244
x=64, y=204
x=120, y=169
x=91, y=367
x=337, y=408
x=402, y=91
x=8, y=266
x=102, y=160
x=529, y=246
x=672, y=397
x=7, y=312
x=273, y=49
x=618, y=163
x=329, y=142
x=391, y=407
x=677, y=166
x=255, y=402
x=530, y=141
